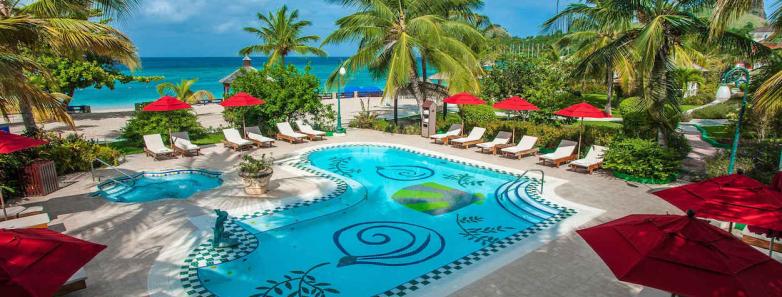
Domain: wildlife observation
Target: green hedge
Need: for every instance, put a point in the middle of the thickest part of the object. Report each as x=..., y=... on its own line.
x=642, y=159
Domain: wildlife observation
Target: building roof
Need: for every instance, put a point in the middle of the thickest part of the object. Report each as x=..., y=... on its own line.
x=236, y=74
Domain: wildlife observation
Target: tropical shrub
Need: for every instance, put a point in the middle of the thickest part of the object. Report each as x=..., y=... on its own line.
x=145, y=123
x=642, y=158
x=478, y=115
x=638, y=122
x=759, y=160
x=289, y=95
x=75, y=154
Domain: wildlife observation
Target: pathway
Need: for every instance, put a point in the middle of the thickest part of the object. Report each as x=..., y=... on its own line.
x=701, y=150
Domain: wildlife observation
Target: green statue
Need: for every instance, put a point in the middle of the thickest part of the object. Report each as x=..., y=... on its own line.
x=222, y=238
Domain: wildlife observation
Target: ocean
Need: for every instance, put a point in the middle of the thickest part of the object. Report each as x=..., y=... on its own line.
x=208, y=71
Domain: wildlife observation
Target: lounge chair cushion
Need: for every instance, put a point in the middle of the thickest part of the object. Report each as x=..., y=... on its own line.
x=285, y=129
x=475, y=135
x=233, y=136
x=526, y=143
x=565, y=149
x=502, y=138
x=593, y=157
x=454, y=130
x=259, y=137
x=307, y=129
x=154, y=143
x=185, y=144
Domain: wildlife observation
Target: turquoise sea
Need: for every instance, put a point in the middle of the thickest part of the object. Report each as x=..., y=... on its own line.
x=208, y=71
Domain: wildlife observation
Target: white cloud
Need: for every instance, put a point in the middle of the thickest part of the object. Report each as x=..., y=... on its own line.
x=172, y=11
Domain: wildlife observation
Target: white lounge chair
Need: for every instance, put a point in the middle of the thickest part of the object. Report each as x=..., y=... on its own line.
x=34, y=221
x=182, y=145
x=312, y=134
x=475, y=137
x=502, y=138
x=254, y=135
x=285, y=132
x=235, y=141
x=565, y=153
x=19, y=211
x=154, y=147
x=525, y=147
x=592, y=161
x=453, y=132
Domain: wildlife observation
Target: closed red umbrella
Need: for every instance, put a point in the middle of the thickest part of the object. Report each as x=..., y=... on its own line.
x=242, y=99
x=10, y=143
x=517, y=104
x=731, y=198
x=37, y=262
x=582, y=110
x=463, y=99
x=167, y=103
x=683, y=255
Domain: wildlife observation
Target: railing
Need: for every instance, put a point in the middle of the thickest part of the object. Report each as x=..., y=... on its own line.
x=542, y=177
x=92, y=171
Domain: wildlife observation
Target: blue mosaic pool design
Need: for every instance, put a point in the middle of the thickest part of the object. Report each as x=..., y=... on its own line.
x=373, y=245
x=152, y=186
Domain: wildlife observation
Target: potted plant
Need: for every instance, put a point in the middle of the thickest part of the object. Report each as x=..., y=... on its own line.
x=256, y=174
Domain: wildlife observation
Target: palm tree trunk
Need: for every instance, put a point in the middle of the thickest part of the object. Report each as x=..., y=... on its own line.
x=423, y=73
x=28, y=118
x=396, y=108
x=610, y=95
x=415, y=85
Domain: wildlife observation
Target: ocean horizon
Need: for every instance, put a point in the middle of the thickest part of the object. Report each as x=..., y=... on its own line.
x=208, y=71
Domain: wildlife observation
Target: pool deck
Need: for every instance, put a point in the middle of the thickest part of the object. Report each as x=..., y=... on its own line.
x=139, y=236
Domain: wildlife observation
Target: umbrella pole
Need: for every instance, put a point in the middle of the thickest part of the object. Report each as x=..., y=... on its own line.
x=580, y=133
x=730, y=228
x=770, y=247
x=2, y=202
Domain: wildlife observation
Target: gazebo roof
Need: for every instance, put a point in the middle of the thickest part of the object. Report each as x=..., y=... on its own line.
x=236, y=74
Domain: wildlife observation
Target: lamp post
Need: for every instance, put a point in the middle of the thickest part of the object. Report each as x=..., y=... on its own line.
x=342, y=72
x=739, y=76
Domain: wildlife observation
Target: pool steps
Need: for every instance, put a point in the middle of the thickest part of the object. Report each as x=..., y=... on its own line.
x=512, y=196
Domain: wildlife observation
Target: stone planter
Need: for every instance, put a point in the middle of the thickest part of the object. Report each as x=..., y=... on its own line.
x=258, y=183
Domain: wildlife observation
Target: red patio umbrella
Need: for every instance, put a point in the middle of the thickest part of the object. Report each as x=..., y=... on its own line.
x=463, y=99
x=10, y=143
x=242, y=99
x=517, y=104
x=37, y=262
x=731, y=198
x=582, y=110
x=683, y=255
x=165, y=104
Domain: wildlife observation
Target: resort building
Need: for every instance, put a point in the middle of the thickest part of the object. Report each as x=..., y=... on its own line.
x=247, y=65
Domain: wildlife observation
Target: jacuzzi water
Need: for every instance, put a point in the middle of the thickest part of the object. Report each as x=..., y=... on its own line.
x=150, y=186
x=417, y=220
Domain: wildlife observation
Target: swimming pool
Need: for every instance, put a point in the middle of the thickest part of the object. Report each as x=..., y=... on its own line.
x=151, y=186
x=400, y=221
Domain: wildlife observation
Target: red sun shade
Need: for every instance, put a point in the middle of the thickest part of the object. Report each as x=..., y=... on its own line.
x=731, y=198
x=464, y=99
x=515, y=104
x=37, y=262
x=683, y=255
x=242, y=99
x=10, y=143
x=167, y=103
x=582, y=110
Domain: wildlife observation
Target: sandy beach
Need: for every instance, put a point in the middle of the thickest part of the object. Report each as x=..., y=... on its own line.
x=106, y=124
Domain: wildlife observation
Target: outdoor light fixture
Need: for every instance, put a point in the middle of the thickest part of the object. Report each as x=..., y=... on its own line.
x=740, y=76
x=723, y=93
x=342, y=72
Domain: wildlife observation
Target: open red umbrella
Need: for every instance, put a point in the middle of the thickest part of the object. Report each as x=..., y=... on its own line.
x=37, y=262
x=517, y=104
x=463, y=99
x=242, y=99
x=582, y=110
x=730, y=198
x=10, y=143
x=167, y=103
x=683, y=255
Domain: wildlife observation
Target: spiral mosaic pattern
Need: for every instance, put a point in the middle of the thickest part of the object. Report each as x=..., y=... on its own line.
x=387, y=243
x=405, y=172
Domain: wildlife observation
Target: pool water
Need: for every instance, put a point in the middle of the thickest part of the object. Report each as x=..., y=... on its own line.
x=151, y=186
x=414, y=217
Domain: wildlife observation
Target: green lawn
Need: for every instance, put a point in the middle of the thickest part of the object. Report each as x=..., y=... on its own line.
x=128, y=149
x=688, y=107
x=719, y=132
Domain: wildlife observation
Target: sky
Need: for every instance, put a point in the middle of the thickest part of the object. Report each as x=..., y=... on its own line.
x=213, y=28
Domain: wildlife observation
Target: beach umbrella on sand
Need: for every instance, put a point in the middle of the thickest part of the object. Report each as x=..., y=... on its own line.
x=516, y=104
x=166, y=104
x=582, y=110
x=683, y=255
x=10, y=143
x=37, y=262
x=242, y=99
x=463, y=99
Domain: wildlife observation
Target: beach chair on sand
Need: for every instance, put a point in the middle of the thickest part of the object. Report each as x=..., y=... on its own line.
x=312, y=134
x=475, y=137
x=453, y=132
x=565, y=153
x=235, y=141
x=526, y=147
x=154, y=147
x=501, y=139
x=254, y=135
x=592, y=161
x=285, y=132
x=180, y=142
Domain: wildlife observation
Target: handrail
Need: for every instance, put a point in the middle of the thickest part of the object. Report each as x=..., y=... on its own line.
x=92, y=171
x=542, y=179
x=115, y=168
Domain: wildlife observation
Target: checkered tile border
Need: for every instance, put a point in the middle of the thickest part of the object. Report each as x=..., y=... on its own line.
x=205, y=255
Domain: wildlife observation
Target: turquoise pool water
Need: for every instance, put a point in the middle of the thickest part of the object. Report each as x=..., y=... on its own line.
x=416, y=220
x=151, y=186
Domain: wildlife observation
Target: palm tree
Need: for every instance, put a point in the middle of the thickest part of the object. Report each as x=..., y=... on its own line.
x=281, y=34
x=684, y=76
x=392, y=33
x=183, y=91
x=658, y=40
x=61, y=27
